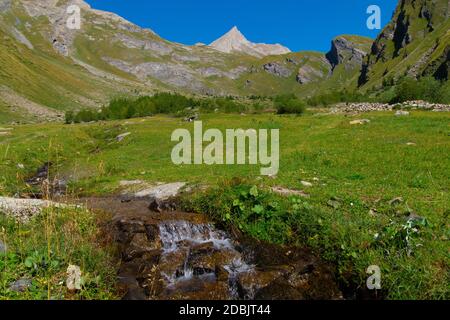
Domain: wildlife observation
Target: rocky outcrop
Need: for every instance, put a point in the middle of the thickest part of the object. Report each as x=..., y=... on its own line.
x=156, y=47
x=277, y=70
x=439, y=68
x=235, y=41
x=347, y=52
x=233, y=74
x=21, y=38
x=5, y=5
x=307, y=74
x=170, y=73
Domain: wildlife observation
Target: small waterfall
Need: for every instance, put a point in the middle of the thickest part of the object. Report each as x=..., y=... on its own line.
x=173, y=233
x=180, y=237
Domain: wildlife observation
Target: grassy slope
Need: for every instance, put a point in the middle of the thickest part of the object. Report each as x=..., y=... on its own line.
x=45, y=77
x=365, y=166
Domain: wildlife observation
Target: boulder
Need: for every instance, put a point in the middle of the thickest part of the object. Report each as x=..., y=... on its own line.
x=20, y=285
x=73, y=280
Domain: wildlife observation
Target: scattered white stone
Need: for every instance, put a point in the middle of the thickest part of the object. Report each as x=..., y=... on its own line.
x=307, y=184
x=289, y=192
x=24, y=209
x=401, y=113
x=127, y=183
x=372, y=212
x=73, y=280
x=411, y=144
x=360, y=121
x=396, y=201
x=20, y=166
x=368, y=107
x=122, y=136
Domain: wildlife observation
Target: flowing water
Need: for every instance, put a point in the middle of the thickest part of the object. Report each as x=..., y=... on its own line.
x=179, y=255
x=201, y=247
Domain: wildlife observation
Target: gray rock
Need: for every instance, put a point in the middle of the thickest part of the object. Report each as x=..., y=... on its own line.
x=5, y=5
x=158, y=205
x=20, y=285
x=156, y=47
x=307, y=184
x=411, y=216
x=21, y=38
x=396, y=201
x=401, y=113
x=25, y=209
x=307, y=74
x=122, y=136
x=289, y=192
x=3, y=247
x=334, y=204
x=360, y=121
x=170, y=73
x=277, y=70
x=231, y=74
x=192, y=118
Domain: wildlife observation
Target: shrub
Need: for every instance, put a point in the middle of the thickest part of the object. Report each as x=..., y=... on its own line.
x=427, y=88
x=289, y=104
x=69, y=117
x=334, y=97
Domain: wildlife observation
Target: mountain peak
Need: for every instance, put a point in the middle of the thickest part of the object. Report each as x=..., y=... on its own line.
x=234, y=31
x=235, y=41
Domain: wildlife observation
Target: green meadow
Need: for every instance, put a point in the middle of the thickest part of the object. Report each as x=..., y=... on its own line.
x=355, y=172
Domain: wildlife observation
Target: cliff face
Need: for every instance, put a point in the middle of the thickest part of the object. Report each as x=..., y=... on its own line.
x=348, y=50
x=415, y=43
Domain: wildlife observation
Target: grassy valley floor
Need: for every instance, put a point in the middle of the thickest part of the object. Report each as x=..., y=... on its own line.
x=355, y=171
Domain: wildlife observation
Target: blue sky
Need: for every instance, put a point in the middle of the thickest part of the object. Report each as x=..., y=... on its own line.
x=297, y=24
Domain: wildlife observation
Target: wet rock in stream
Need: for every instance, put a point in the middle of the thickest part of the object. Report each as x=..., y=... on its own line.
x=178, y=255
x=48, y=187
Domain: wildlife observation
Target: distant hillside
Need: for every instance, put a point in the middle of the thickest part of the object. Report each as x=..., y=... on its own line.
x=47, y=68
